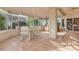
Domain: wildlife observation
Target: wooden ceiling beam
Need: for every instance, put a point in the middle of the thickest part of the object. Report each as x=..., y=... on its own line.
x=61, y=12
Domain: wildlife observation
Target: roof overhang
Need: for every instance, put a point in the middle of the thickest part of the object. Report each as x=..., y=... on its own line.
x=41, y=12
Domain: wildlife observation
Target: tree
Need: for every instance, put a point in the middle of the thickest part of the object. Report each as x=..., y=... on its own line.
x=2, y=22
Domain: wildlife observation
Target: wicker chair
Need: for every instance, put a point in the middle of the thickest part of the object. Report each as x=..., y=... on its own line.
x=25, y=34
x=75, y=41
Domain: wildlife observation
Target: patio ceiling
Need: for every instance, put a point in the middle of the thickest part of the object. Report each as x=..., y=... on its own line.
x=42, y=12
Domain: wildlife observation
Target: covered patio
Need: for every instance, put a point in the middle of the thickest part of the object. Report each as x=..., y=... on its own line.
x=56, y=30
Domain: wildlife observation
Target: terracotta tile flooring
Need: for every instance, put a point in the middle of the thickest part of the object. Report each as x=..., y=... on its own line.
x=41, y=42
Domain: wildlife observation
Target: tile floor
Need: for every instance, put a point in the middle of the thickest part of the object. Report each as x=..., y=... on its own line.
x=41, y=42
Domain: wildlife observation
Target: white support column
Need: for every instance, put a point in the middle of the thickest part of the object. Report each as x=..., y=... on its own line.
x=53, y=23
x=11, y=21
x=6, y=21
x=18, y=23
x=72, y=24
x=65, y=24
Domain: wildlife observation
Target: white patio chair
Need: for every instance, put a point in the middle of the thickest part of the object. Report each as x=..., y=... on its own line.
x=25, y=34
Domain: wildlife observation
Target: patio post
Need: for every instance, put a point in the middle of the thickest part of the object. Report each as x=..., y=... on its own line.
x=65, y=24
x=53, y=23
x=6, y=21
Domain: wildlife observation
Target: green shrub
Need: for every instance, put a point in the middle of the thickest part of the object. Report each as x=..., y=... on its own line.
x=2, y=22
x=31, y=22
